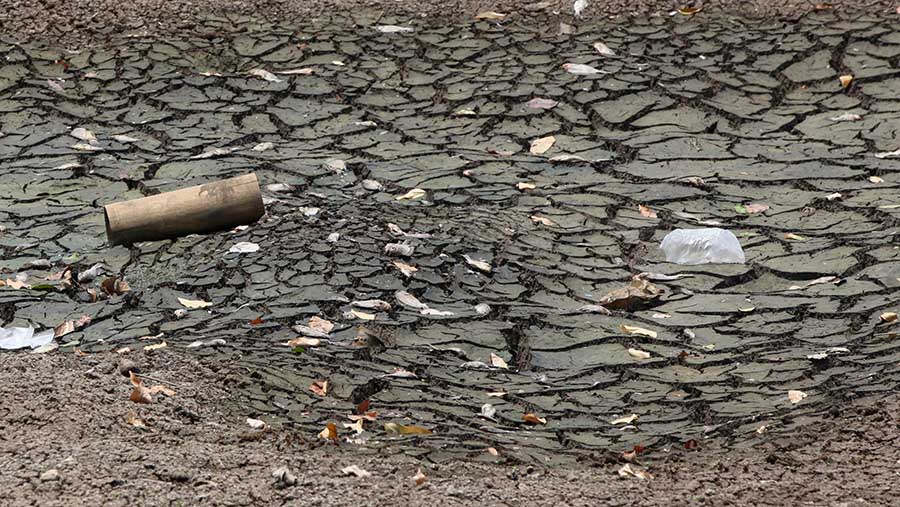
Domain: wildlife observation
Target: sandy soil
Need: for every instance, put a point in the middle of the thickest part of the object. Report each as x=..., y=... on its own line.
x=74, y=21
x=66, y=441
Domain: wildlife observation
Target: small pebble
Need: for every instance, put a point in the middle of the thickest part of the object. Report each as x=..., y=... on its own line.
x=50, y=475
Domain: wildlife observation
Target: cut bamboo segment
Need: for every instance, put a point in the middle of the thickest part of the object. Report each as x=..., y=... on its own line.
x=204, y=208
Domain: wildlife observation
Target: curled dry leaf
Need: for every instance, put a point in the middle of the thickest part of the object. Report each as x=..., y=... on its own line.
x=478, y=264
x=320, y=324
x=492, y=451
x=638, y=354
x=522, y=185
x=540, y=146
x=133, y=420
x=194, y=303
x=419, y=478
x=409, y=301
x=490, y=16
x=256, y=424
x=400, y=429
x=633, y=295
x=330, y=432
x=646, y=212
x=794, y=237
x=637, y=330
x=689, y=11
x=542, y=220
x=876, y=179
x=139, y=394
x=498, y=362
x=303, y=341
x=796, y=396
x=361, y=315
x=533, y=419
x=888, y=317
x=415, y=193
x=355, y=470
x=319, y=387
x=624, y=420
x=157, y=346
x=406, y=269
x=603, y=49
x=628, y=470
x=846, y=80
x=264, y=74
x=539, y=103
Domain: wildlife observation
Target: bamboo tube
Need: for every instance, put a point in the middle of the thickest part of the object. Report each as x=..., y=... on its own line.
x=204, y=208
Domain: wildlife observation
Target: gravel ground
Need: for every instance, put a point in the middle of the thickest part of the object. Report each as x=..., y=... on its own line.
x=66, y=442
x=80, y=20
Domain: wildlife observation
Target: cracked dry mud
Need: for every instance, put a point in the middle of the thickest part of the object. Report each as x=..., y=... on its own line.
x=692, y=119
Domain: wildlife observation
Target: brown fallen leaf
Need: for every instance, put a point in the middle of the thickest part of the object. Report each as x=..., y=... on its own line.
x=319, y=387
x=406, y=269
x=646, y=212
x=400, y=429
x=320, y=324
x=361, y=315
x=161, y=389
x=888, y=317
x=533, y=419
x=498, y=362
x=64, y=329
x=257, y=321
x=140, y=394
x=112, y=286
x=133, y=420
x=419, y=478
x=846, y=80
x=540, y=146
x=689, y=11
x=330, y=432
x=492, y=451
x=638, y=292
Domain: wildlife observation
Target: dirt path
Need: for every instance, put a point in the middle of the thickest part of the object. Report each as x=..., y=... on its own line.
x=77, y=21
x=67, y=413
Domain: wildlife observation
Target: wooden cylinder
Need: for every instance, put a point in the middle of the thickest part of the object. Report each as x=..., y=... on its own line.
x=204, y=208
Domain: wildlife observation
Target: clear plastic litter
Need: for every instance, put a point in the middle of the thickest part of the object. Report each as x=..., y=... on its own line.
x=702, y=246
x=12, y=338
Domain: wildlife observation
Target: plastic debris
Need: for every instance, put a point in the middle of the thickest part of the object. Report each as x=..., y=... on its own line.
x=702, y=246
x=12, y=338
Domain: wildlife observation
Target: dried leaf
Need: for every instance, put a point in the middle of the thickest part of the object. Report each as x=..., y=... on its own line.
x=303, y=341
x=257, y=424
x=750, y=209
x=151, y=348
x=257, y=321
x=372, y=304
x=415, y=193
x=400, y=429
x=580, y=69
x=522, y=185
x=490, y=16
x=533, y=419
x=637, y=330
x=603, y=49
x=319, y=387
x=320, y=324
x=846, y=117
x=796, y=396
x=264, y=74
x=689, y=11
x=539, y=103
x=409, y=301
x=492, y=451
x=876, y=179
x=498, y=362
x=540, y=146
x=84, y=134
x=488, y=411
x=355, y=470
x=140, y=394
x=303, y=72
x=244, y=247
x=624, y=420
x=161, y=389
x=888, y=317
x=478, y=264
x=194, y=303
x=638, y=354
x=419, y=478
x=406, y=269
x=632, y=471
x=133, y=420
x=361, y=315
x=357, y=426
x=330, y=432
x=543, y=221
x=647, y=212
x=401, y=373
x=638, y=292
x=794, y=237
x=395, y=29
x=846, y=80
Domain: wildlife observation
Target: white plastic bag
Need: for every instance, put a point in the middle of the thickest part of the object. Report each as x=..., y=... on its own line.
x=702, y=246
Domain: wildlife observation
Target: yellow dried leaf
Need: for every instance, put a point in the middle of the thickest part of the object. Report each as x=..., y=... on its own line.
x=194, y=303
x=846, y=80
x=637, y=330
x=540, y=146
x=889, y=317
x=362, y=315
x=647, y=212
x=498, y=362
x=406, y=269
x=303, y=341
x=689, y=11
x=533, y=419
x=794, y=237
x=330, y=432
x=400, y=429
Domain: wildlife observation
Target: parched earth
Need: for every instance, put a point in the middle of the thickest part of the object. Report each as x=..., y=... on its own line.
x=432, y=131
